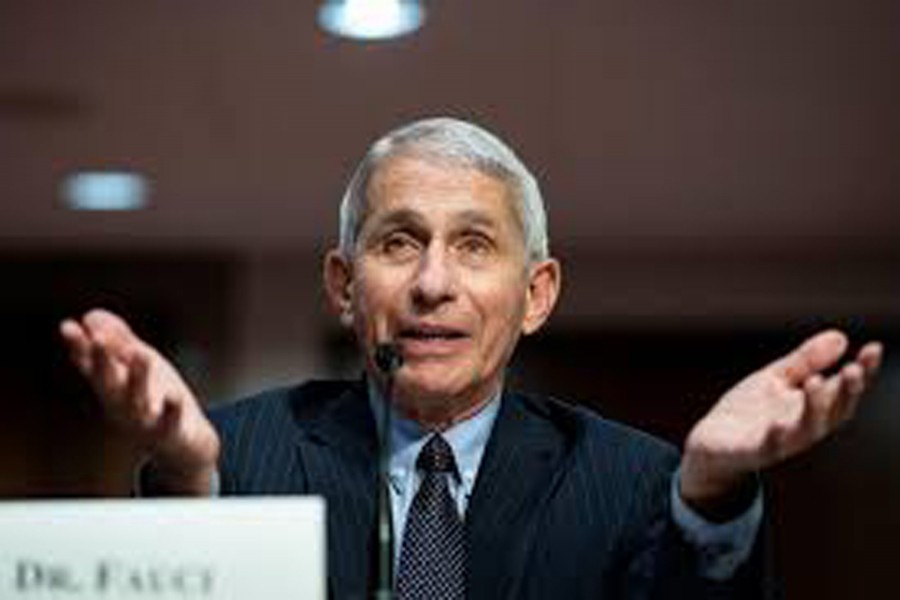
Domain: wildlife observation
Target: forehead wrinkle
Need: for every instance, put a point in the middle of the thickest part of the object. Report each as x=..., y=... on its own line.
x=385, y=171
x=414, y=218
x=472, y=217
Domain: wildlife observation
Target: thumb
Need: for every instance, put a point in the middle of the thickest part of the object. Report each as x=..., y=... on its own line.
x=816, y=354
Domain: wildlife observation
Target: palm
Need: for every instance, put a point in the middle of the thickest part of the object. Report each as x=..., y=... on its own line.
x=142, y=394
x=775, y=413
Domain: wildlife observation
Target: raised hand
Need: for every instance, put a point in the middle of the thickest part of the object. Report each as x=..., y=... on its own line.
x=777, y=412
x=145, y=399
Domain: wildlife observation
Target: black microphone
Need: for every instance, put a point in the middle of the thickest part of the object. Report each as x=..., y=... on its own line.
x=388, y=360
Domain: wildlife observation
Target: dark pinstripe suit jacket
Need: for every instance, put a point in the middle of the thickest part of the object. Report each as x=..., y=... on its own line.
x=566, y=505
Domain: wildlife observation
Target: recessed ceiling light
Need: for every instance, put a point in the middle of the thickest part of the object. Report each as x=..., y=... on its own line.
x=105, y=191
x=371, y=19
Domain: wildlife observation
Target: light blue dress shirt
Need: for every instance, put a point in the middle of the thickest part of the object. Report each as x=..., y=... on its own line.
x=467, y=439
x=722, y=547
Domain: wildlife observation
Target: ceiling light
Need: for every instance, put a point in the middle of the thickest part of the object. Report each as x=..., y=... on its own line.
x=371, y=19
x=105, y=190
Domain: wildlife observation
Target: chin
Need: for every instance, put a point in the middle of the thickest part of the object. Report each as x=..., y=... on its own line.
x=435, y=387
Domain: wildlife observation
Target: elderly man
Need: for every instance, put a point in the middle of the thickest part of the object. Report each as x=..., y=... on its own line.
x=443, y=253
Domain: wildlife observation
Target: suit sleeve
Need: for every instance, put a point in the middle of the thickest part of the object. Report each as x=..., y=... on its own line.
x=660, y=562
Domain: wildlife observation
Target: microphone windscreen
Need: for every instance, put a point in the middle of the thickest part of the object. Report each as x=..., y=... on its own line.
x=388, y=358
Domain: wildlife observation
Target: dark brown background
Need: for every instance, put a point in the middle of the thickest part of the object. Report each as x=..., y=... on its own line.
x=722, y=180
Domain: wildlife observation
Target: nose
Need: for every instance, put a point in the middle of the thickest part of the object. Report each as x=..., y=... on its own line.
x=434, y=280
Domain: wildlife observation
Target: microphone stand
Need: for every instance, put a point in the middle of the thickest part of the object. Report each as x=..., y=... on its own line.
x=388, y=360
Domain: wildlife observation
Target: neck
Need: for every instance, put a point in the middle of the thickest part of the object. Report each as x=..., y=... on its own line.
x=438, y=413
x=441, y=418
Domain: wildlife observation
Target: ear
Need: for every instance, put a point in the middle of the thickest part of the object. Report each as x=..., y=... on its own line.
x=544, y=281
x=337, y=272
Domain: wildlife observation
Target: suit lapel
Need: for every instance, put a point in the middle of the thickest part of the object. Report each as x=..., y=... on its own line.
x=338, y=452
x=518, y=472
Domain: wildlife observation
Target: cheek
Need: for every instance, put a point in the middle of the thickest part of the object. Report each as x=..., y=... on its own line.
x=502, y=312
x=374, y=299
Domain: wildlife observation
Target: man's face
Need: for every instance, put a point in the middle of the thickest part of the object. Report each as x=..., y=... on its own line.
x=440, y=269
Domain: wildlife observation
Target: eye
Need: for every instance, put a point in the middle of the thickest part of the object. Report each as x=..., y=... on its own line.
x=398, y=244
x=476, y=244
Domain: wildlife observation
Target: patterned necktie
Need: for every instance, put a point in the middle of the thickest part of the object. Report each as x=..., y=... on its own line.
x=432, y=558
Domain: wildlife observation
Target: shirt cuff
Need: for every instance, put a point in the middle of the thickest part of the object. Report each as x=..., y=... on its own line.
x=721, y=547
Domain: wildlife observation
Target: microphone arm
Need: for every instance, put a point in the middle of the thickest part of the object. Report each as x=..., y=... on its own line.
x=388, y=359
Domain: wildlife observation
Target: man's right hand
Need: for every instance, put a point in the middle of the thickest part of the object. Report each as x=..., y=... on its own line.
x=146, y=400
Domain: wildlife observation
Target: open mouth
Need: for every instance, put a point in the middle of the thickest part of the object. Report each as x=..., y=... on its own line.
x=431, y=333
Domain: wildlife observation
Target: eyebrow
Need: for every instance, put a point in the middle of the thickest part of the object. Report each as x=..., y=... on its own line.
x=403, y=216
x=408, y=217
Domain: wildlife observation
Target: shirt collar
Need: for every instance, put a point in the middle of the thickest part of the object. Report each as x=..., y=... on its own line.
x=468, y=438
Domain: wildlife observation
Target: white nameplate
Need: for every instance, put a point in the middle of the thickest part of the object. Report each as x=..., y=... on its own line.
x=211, y=549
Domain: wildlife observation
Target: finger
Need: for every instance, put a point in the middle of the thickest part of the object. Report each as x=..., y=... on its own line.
x=112, y=331
x=816, y=354
x=814, y=392
x=103, y=318
x=870, y=357
x=853, y=387
x=824, y=403
x=813, y=384
x=78, y=344
x=154, y=386
x=854, y=379
x=139, y=392
x=113, y=345
x=109, y=373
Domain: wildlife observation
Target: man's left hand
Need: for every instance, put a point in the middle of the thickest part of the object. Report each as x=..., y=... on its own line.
x=777, y=412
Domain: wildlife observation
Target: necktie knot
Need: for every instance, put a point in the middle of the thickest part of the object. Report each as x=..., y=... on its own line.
x=436, y=456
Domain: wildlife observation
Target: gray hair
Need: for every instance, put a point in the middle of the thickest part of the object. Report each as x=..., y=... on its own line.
x=460, y=143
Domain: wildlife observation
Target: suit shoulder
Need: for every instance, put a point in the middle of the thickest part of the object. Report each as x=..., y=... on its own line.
x=259, y=434
x=603, y=438
x=277, y=406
